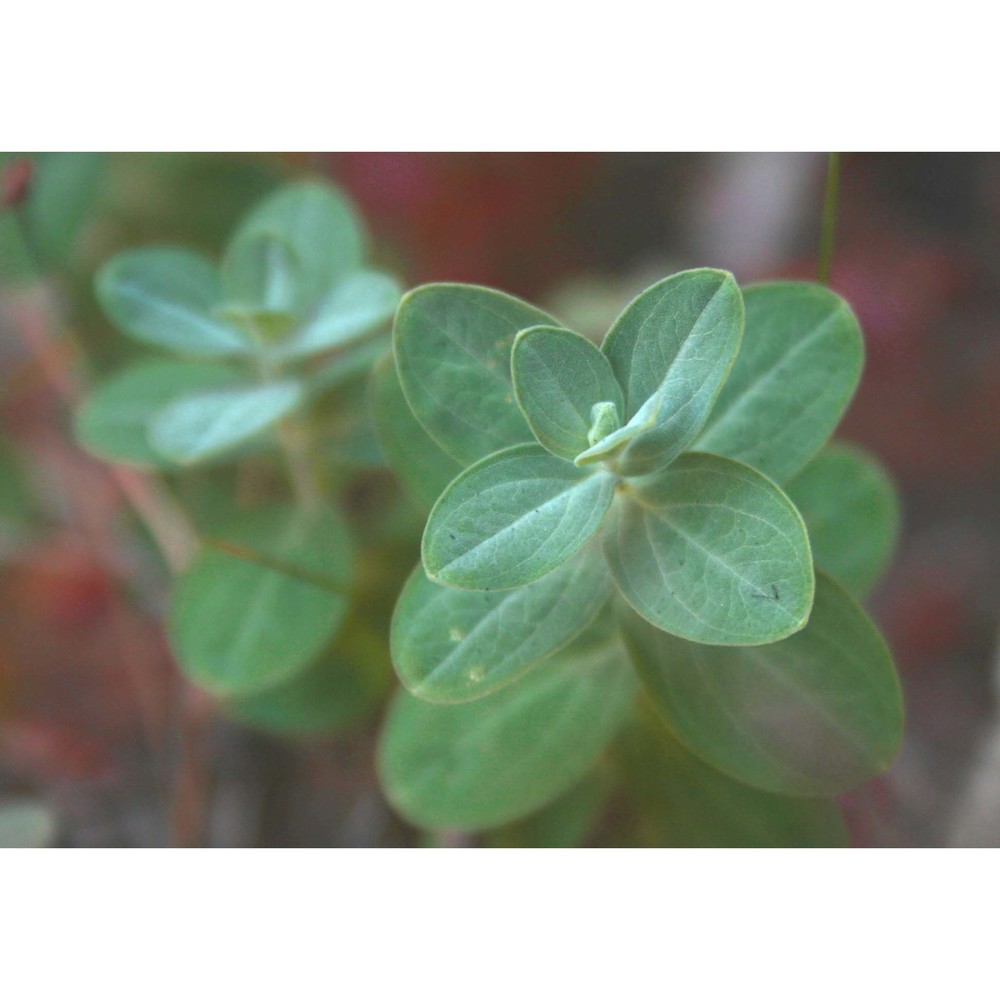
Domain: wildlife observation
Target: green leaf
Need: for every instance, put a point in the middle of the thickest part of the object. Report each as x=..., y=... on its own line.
x=685, y=803
x=114, y=421
x=452, y=345
x=338, y=691
x=320, y=226
x=25, y=823
x=816, y=714
x=491, y=761
x=260, y=276
x=565, y=822
x=355, y=307
x=795, y=374
x=169, y=298
x=260, y=605
x=512, y=518
x=559, y=377
x=425, y=470
x=671, y=350
x=206, y=423
x=851, y=509
x=710, y=550
x=451, y=645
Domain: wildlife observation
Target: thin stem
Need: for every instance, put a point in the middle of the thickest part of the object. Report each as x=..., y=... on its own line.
x=829, y=225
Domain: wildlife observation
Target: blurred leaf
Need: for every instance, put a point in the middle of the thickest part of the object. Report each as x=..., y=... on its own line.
x=207, y=423
x=26, y=823
x=492, y=761
x=851, y=509
x=558, y=378
x=710, y=550
x=451, y=645
x=261, y=605
x=685, y=803
x=671, y=350
x=424, y=468
x=260, y=276
x=512, y=518
x=566, y=822
x=169, y=297
x=815, y=714
x=321, y=227
x=335, y=693
x=452, y=345
x=356, y=306
x=114, y=421
x=795, y=374
x=16, y=502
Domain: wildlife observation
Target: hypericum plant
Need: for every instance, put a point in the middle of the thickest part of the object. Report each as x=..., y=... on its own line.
x=648, y=504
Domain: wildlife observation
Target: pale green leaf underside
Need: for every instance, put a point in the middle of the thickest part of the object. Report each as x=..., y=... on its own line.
x=710, y=550
x=237, y=626
x=114, y=421
x=260, y=274
x=558, y=378
x=322, y=229
x=451, y=645
x=424, y=468
x=491, y=761
x=452, y=345
x=511, y=518
x=851, y=509
x=671, y=350
x=201, y=425
x=816, y=714
x=356, y=306
x=169, y=298
x=797, y=370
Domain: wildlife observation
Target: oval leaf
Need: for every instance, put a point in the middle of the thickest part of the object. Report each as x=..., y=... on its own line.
x=816, y=714
x=199, y=426
x=491, y=761
x=425, y=470
x=795, y=374
x=710, y=550
x=512, y=518
x=169, y=298
x=451, y=645
x=452, y=345
x=320, y=226
x=260, y=276
x=851, y=509
x=114, y=422
x=559, y=377
x=671, y=350
x=261, y=602
x=355, y=307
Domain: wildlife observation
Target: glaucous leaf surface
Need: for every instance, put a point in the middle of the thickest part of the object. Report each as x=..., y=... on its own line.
x=512, y=518
x=170, y=298
x=491, y=761
x=336, y=692
x=559, y=377
x=114, y=421
x=321, y=227
x=256, y=611
x=797, y=370
x=453, y=345
x=451, y=645
x=671, y=350
x=682, y=802
x=201, y=425
x=710, y=550
x=816, y=714
x=26, y=822
x=260, y=275
x=851, y=509
x=422, y=466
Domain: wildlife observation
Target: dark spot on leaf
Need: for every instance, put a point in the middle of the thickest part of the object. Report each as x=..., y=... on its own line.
x=774, y=590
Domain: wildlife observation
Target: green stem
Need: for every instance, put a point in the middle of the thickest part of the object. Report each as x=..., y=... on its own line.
x=829, y=225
